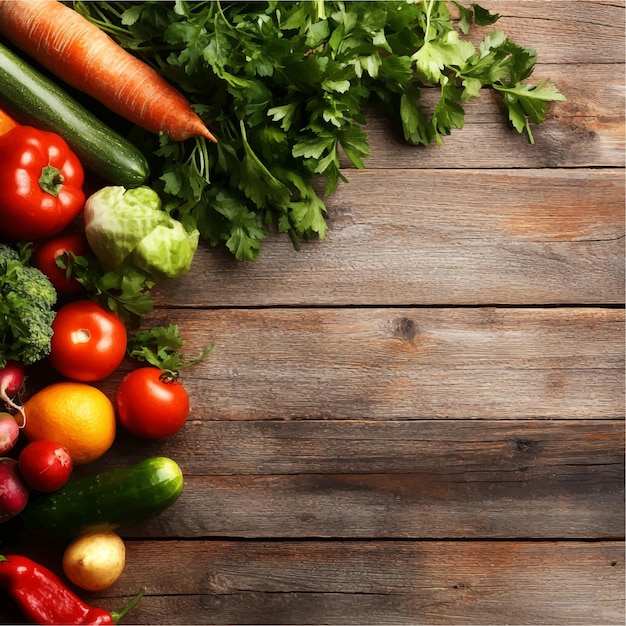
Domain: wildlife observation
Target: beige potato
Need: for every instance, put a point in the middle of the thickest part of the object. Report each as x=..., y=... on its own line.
x=94, y=561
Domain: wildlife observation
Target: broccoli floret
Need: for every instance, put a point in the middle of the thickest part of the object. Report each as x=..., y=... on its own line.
x=26, y=315
x=7, y=253
x=35, y=286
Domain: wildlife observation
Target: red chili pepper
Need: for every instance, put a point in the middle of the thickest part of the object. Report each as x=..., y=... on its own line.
x=44, y=599
x=41, y=184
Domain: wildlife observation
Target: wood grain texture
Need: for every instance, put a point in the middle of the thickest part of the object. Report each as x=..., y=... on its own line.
x=396, y=582
x=403, y=363
x=442, y=237
x=526, y=449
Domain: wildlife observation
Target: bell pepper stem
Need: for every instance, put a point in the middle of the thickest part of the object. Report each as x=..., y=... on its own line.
x=117, y=615
x=51, y=180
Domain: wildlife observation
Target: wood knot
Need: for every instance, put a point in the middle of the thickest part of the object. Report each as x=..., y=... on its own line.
x=405, y=329
x=524, y=445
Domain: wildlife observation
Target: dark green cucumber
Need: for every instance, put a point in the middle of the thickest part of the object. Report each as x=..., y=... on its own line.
x=120, y=497
x=30, y=95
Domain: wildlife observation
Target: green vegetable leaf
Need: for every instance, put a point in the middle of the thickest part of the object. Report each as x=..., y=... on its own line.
x=483, y=17
x=126, y=292
x=161, y=347
x=449, y=52
x=529, y=103
x=465, y=20
x=449, y=113
x=309, y=216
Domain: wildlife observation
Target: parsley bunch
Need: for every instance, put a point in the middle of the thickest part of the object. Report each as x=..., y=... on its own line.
x=283, y=85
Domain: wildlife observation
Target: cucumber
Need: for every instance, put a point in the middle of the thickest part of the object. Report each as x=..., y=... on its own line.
x=120, y=497
x=29, y=94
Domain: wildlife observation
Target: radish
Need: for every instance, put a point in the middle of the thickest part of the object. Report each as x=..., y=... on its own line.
x=13, y=490
x=11, y=381
x=9, y=432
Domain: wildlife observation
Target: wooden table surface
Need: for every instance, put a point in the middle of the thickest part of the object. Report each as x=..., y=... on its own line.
x=419, y=419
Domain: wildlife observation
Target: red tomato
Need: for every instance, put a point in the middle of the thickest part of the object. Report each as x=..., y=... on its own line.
x=45, y=465
x=151, y=404
x=45, y=256
x=88, y=342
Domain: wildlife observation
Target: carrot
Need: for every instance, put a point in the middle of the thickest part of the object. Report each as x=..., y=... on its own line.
x=6, y=122
x=86, y=58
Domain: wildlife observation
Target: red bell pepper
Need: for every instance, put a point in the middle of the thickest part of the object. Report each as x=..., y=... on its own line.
x=41, y=184
x=44, y=599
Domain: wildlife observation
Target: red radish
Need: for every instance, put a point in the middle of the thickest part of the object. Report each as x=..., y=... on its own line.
x=13, y=490
x=45, y=465
x=86, y=58
x=11, y=381
x=9, y=432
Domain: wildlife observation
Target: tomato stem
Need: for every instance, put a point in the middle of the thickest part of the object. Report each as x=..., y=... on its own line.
x=168, y=376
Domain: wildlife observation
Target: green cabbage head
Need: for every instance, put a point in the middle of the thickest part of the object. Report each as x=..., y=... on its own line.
x=128, y=228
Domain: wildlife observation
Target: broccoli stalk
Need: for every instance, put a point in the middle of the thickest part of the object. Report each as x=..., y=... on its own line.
x=26, y=301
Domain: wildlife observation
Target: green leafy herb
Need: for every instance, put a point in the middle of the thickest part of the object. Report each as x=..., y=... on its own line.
x=125, y=291
x=161, y=347
x=283, y=84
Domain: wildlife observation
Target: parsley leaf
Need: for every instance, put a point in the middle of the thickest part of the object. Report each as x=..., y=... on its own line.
x=161, y=347
x=529, y=103
x=125, y=291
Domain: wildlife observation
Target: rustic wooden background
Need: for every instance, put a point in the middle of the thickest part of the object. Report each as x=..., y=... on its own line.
x=418, y=420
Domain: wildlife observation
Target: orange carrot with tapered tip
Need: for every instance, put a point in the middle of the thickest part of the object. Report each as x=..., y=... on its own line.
x=85, y=57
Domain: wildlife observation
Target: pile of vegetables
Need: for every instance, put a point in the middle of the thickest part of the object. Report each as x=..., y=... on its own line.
x=82, y=241
x=282, y=86
x=130, y=132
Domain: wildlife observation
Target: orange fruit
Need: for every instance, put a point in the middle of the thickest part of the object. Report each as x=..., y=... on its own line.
x=6, y=123
x=78, y=416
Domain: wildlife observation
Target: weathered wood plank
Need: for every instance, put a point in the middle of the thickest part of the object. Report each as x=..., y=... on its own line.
x=403, y=363
x=408, y=237
x=398, y=582
x=526, y=450
x=488, y=583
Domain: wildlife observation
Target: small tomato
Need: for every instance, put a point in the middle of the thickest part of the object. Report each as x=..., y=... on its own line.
x=46, y=255
x=88, y=342
x=151, y=404
x=45, y=465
